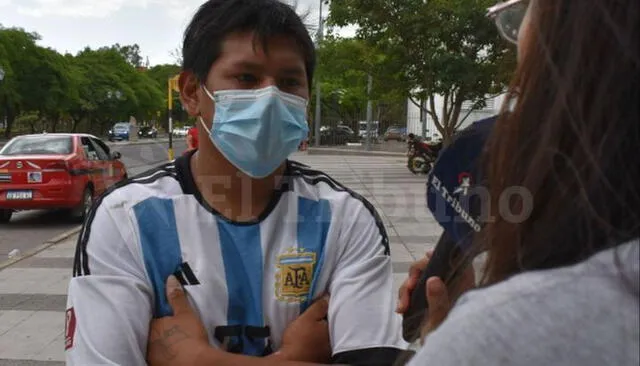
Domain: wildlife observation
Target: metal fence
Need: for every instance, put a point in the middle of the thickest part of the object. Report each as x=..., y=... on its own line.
x=342, y=127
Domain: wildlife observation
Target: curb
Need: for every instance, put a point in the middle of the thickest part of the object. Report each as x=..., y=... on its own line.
x=140, y=142
x=329, y=151
x=40, y=248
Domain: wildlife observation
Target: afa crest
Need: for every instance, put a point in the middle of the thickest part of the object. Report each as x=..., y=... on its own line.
x=294, y=275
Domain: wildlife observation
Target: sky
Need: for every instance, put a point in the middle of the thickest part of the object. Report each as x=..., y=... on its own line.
x=155, y=25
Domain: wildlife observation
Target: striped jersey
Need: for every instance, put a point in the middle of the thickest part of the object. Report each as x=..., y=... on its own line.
x=247, y=281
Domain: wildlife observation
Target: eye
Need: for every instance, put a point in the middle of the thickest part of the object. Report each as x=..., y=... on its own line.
x=289, y=82
x=247, y=78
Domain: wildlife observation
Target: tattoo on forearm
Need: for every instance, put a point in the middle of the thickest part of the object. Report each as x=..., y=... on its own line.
x=163, y=342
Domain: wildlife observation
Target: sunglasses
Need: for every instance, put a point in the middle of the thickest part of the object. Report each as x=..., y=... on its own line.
x=508, y=17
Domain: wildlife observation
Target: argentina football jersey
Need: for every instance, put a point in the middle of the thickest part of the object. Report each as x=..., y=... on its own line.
x=247, y=280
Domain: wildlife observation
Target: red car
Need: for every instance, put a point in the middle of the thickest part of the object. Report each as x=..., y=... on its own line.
x=56, y=171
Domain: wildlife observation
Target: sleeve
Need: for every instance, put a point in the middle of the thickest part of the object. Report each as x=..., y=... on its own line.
x=365, y=330
x=109, y=303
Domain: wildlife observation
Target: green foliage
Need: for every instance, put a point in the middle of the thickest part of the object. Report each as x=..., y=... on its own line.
x=343, y=70
x=442, y=48
x=88, y=91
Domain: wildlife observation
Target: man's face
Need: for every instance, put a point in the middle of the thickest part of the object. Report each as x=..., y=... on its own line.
x=243, y=64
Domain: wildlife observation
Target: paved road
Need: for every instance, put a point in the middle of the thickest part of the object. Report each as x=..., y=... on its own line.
x=29, y=229
x=33, y=291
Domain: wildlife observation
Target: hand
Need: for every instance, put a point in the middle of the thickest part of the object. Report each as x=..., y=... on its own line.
x=439, y=297
x=179, y=339
x=439, y=305
x=307, y=338
x=404, y=294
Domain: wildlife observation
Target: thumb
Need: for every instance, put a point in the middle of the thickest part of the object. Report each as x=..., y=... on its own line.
x=176, y=296
x=438, y=300
x=319, y=309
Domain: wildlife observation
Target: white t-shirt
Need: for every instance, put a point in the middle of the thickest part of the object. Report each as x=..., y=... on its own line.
x=247, y=281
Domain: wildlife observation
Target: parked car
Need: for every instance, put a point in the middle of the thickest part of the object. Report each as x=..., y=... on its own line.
x=181, y=131
x=147, y=132
x=56, y=171
x=120, y=131
x=395, y=133
x=338, y=135
x=362, y=131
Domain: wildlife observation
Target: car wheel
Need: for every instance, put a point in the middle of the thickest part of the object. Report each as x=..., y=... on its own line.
x=5, y=216
x=81, y=212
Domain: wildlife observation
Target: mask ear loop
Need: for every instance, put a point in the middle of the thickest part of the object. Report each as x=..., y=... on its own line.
x=200, y=119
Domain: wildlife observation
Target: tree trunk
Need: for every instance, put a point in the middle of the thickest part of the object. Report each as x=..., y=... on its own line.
x=11, y=117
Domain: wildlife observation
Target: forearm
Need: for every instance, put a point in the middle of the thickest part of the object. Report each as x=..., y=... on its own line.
x=211, y=356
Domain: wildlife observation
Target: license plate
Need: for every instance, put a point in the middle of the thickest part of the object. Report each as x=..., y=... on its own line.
x=34, y=177
x=19, y=195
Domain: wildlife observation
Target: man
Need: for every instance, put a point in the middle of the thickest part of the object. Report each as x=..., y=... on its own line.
x=252, y=237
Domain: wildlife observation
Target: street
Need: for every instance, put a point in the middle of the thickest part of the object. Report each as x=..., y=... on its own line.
x=33, y=291
x=31, y=228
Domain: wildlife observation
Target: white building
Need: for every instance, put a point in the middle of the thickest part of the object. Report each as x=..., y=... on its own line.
x=429, y=129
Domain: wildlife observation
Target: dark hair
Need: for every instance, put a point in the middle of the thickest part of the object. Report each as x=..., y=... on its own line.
x=216, y=19
x=571, y=140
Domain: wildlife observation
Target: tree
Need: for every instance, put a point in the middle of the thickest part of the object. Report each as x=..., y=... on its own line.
x=161, y=74
x=131, y=54
x=444, y=48
x=19, y=60
x=343, y=70
x=56, y=90
x=176, y=54
x=89, y=91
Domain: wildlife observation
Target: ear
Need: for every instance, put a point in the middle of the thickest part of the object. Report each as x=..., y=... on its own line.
x=189, y=92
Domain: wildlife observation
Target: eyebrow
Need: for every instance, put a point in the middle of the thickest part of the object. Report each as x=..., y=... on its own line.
x=248, y=65
x=255, y=66
x=293, y=71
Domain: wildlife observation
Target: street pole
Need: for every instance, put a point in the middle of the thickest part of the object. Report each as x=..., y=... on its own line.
x=423, y=116
x=318, y=116
x=4, y=119
x=369, y=111
x=169, y=109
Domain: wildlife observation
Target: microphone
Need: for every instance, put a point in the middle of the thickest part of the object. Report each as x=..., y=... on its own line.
x=456, y=197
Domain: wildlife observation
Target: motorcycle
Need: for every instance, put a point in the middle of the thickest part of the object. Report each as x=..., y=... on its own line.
x=421, y=156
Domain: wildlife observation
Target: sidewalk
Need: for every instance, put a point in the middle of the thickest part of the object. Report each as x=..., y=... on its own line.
x=33, y=291
x=32, y=304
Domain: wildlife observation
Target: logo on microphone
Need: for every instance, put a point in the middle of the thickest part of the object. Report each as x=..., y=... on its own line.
x=464, y=184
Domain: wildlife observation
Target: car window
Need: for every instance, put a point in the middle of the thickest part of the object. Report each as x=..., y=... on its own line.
x=39, y=145
x=103, y=154
x=89, y=149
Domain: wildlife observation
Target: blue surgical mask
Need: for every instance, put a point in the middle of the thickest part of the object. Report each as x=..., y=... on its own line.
x=257, y=130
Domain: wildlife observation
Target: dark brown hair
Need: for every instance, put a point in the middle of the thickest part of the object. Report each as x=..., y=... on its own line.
x=571, y=141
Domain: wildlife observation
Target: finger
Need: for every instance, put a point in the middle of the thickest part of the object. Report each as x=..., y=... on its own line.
x=407, y=287
x=418, y=266
x=429, y=253
x=318, y=310
x=404, y=293
x=438, y=300
x=176, y=296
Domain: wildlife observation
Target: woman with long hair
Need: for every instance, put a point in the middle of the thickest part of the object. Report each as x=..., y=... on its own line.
x=561, y=281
